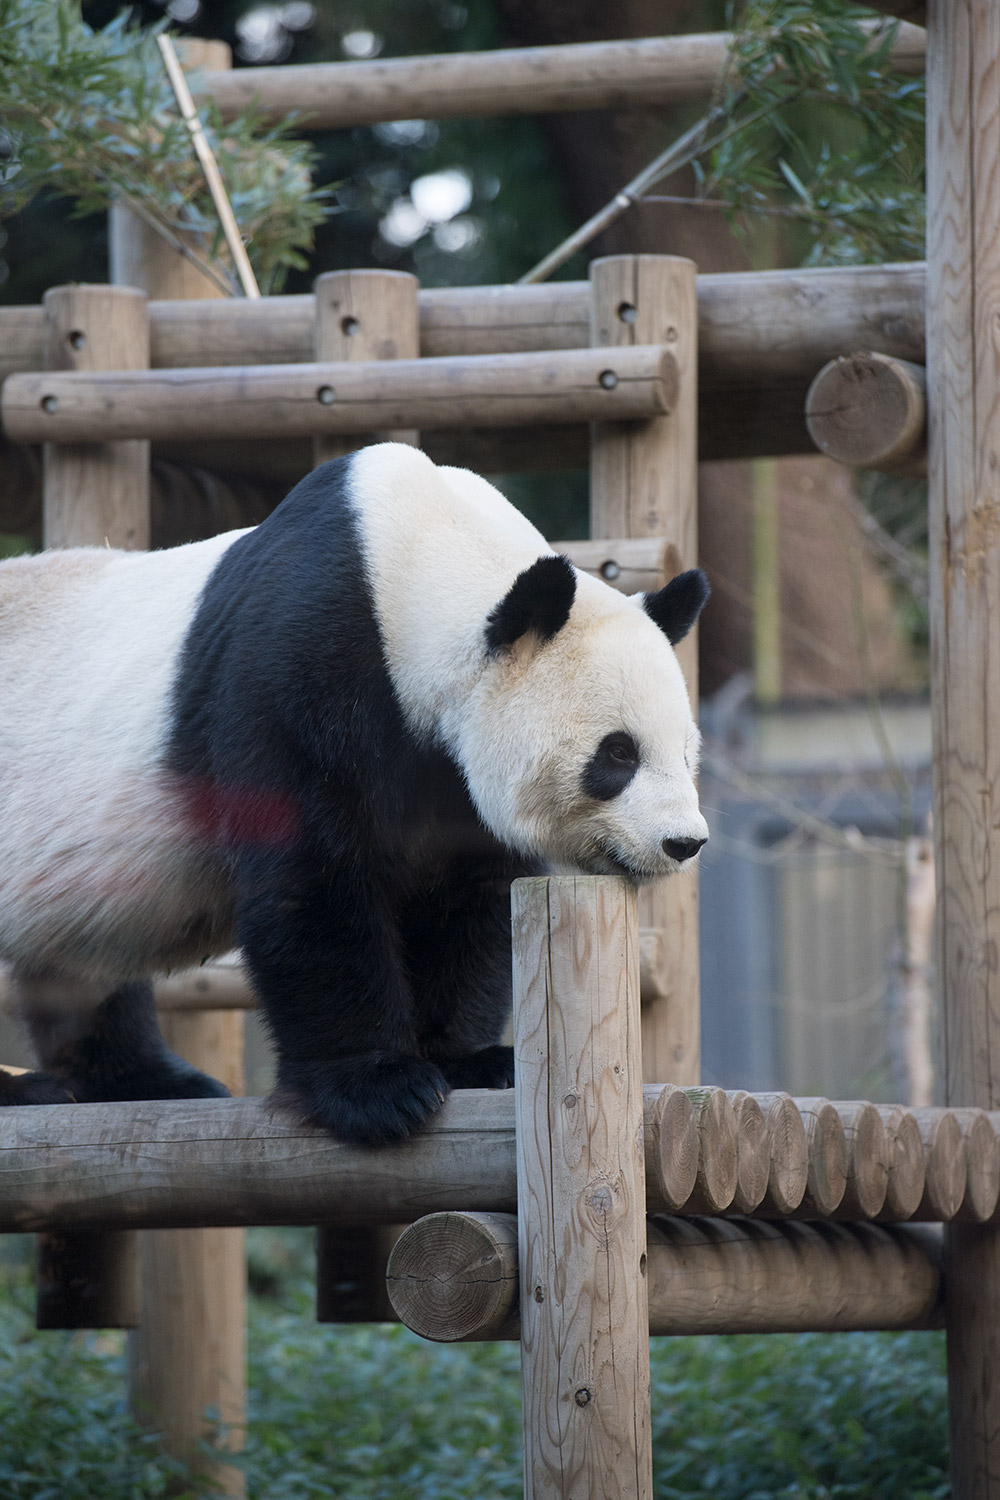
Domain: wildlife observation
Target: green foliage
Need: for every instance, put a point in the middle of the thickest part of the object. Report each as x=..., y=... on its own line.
x=339, y=1413
x=810, y=1417
x=821, y=131
x=90, y=115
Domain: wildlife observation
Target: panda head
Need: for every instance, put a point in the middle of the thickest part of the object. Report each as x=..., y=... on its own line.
x=578, y=744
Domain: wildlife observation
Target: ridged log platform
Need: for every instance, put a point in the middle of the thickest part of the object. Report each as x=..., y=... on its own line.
x=454, y=1276
x=243, y=1161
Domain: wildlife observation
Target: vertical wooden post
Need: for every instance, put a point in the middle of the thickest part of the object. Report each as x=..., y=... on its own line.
x=189, y=1354
x=963, y=383
x=94, y=494
x=581, y=1191
x=644, y=483
x=360, y=315
x=365, y=315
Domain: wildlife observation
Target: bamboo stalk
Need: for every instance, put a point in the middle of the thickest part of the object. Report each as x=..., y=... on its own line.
x=209, y=167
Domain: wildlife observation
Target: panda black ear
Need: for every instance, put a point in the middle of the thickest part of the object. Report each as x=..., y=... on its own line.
x=538, y=600
x=676, y=607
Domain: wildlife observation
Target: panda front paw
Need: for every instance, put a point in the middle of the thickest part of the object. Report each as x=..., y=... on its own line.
x=491, y=1068
x=32, y=1088
x=374, y=1099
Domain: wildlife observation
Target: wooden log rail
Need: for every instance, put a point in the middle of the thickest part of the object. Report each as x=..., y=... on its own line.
x=454, y=1276
x=578, y=385
x=240, y=1162
x=761, y=340
x=523, y=80
x=769, y=327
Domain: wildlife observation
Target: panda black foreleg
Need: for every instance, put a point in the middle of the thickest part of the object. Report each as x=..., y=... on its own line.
x=457, y=940
x=323, y=952
x=108, y=1052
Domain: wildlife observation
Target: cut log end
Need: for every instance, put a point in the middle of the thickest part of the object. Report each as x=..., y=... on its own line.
x=869, y=411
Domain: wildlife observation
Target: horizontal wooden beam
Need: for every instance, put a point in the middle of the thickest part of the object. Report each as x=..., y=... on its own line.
x=238, y=1161
x=222, y=1162
x=454, y=1276
x=511, y=81
x=754, y=329
x=506, y=390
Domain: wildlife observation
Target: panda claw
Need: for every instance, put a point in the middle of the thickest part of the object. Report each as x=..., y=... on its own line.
x=376, y=1099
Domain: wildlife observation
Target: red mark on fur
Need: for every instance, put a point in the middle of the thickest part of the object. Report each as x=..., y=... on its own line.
x=242, y=815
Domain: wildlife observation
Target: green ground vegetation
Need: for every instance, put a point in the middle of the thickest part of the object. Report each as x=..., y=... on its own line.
x=373, y=1412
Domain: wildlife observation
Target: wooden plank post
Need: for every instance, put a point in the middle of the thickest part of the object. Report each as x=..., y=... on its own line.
x=963, y=395
x=581, y=1190
x=360, y=315
x=188, y=1356
x=644, y=483
x=94, y=494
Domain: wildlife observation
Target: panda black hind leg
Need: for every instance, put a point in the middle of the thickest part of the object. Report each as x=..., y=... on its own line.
x=106, y=1052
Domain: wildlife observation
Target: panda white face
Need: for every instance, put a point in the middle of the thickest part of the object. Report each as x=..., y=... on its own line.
x=582, y=748
x=562, y=702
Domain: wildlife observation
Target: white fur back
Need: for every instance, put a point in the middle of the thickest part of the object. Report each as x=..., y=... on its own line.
x=89, y=835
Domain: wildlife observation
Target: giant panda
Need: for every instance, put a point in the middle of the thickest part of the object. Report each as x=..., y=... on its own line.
x=334, y=740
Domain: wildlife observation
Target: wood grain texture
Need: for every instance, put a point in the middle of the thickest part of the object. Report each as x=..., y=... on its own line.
x=96, y=493
x=907, y=1172
x=788, y=1168
x=365, y=315
x=188, y=1356
x=93, y=495
x=753, y=1153
x=503, y=390
x=758, y=330
x=233, y=1162
x=869, y=411
x=643, y=483
x=526, y=80
x=239, y=1161
x=826, y=1144
x=670, y=1133
x=945, y=1167
x=717, y=1177
x=581, y=1192
x=963, y=386
x=455, y=1277
x=868, y=1160
x=982, y=1166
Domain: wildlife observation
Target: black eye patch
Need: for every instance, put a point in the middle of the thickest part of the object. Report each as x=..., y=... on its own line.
x=611, y=767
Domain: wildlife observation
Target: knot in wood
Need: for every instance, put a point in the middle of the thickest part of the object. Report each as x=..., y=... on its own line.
x=602, y=1199
x=571, y=1101
x=582, y=1397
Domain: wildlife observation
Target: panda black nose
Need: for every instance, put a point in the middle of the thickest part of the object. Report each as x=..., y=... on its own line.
x=681, y=849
